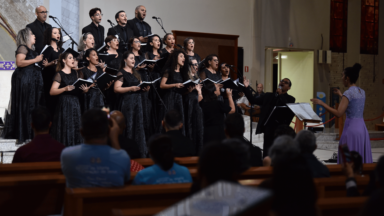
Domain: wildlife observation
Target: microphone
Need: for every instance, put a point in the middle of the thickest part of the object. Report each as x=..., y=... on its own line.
x=229, y=66
x=277, y=94
x=52, y=17
x=154, y=17
x=109, y=21
x=181, y=47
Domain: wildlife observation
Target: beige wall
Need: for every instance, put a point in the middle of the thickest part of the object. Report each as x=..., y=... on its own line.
x=211, y=16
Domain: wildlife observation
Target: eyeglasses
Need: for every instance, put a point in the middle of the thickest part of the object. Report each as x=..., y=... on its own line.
x=285, y=82
x=215, y=60
x=136, y=41
x=43, y=12
x=115, y=40
x=191, y=42
x=98, y=15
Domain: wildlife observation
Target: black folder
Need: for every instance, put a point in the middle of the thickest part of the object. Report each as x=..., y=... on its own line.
x=79, y=82
x=104, y=79
x=229, y=83
x=106, y=57
x=73, y=52
x=144, y=84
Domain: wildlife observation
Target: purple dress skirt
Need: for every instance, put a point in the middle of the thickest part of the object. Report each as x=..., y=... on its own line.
x=355, y=133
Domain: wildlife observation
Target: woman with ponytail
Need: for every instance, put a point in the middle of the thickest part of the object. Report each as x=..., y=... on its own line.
x=165, y=170
x=355, y=133
x=131, y=102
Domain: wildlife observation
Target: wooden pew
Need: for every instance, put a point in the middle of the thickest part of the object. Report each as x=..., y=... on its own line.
x=101, y=201
x=341, y=206
x=27, y=169
x=32, y=195
x=136, y=211
x=335, y=186
x=184, y=161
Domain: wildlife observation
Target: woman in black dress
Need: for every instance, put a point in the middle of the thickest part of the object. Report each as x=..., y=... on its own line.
x=194, y=128
x=176, y=72
x=169, y=41
x=66, y=121
x=189, y=47
x=52, y=38
x=154, y=52
x=214, y=112
x=27, y=91
x=130, y=102
x=209, y=68
x=95, y=97
x=86, y=41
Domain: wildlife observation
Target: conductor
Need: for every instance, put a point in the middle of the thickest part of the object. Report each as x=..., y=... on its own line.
x=268, y=101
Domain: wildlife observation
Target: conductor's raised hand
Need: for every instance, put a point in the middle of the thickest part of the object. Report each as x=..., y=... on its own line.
x=85, y=88
x=246, y=82
x=317, y=101
x=39, y=58
x=69, y=87
x=337, y=91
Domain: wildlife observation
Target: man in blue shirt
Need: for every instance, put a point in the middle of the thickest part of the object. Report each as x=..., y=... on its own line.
x=94, y=163
x=165, y=170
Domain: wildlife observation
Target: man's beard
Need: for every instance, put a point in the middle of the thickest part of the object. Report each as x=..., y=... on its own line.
x=140, y=17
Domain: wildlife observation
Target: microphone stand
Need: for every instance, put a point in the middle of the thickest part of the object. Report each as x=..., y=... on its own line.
x=149, y=77
x=73, y=41
x=120, y=38
x=161, y=25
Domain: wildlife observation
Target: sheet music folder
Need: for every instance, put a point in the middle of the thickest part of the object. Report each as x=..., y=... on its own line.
x=304, y=112
x=278, y=113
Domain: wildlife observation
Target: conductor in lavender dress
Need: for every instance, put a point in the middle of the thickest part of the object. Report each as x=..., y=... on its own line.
x=355, y=133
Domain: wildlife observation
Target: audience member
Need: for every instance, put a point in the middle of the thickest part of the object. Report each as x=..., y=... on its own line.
x=126, y=144
x=285, y=130
x=94, y=163
x=43, y=147
x=129, y=145
x=306, y=142
x=181, y=145
x=234, y=128
x=281, y=145
x=165, y=170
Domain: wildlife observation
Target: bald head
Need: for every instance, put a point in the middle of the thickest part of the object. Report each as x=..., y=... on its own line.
x=119, y=118
x=41, y=13
x=140, y=12
x=260, y=88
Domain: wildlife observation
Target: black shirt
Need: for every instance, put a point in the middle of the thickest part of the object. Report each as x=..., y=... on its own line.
x=97, y=32
x=144, y=27
x=213, y=112
x=318, y=169
x=181, y=145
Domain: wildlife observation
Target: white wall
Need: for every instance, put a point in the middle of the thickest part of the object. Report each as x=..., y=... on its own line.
x=210, y=16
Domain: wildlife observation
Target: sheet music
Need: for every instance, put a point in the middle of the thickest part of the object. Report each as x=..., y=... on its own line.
x=46, y=46
x=66, y=38
x=303, y=111
x=101, y=47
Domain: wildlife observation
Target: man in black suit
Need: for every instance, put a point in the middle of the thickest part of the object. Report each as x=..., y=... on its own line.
x=140, y=28
x=182, y=146
x=267, y=102
x=38, y=27
x=95, y=28
x=122, y=30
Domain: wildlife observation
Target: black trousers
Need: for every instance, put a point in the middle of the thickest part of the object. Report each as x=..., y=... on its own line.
x=269, y=137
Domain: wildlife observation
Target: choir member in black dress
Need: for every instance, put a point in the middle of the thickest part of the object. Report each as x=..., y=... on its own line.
x=86, y=41
x=176, y=72
x=95, y=96
x=38, y=27
x=95, y=28
x=123, y=31
x=140, y=28
x=224, y=71
x=130, y=102
x=189, y=46
x=209, y=68
x=214, y=112
x=169, y=41
x=52, y=37
x=112, y=45
x=66, y=121
x=194, y=128
x=27, y=89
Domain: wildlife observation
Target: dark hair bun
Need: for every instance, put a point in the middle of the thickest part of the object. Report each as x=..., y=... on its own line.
x=357, y=67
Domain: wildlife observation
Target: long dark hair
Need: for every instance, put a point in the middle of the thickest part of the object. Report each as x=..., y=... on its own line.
x=353, y=72
x=185, y=43
x=88, y=53
x=204, y=64
x=160, y=148
x=208, y=91
x=122, y=64
x=149, y=48
x=48, y=37
x=171, y=65
x=60, y=63
x=130, y=42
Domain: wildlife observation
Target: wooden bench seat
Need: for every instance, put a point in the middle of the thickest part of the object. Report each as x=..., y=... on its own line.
x=341, y=206
x=32, y=195
x=26, y=169
x=335, y=186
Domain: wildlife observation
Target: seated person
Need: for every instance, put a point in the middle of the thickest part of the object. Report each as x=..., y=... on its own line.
x=234, y=128
x=182, y=146
x=165, y=170
x=280, y=131
x=43, y=147
x=126, y=144
x=283, y=145
x=306, y=142
x=95, y=163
